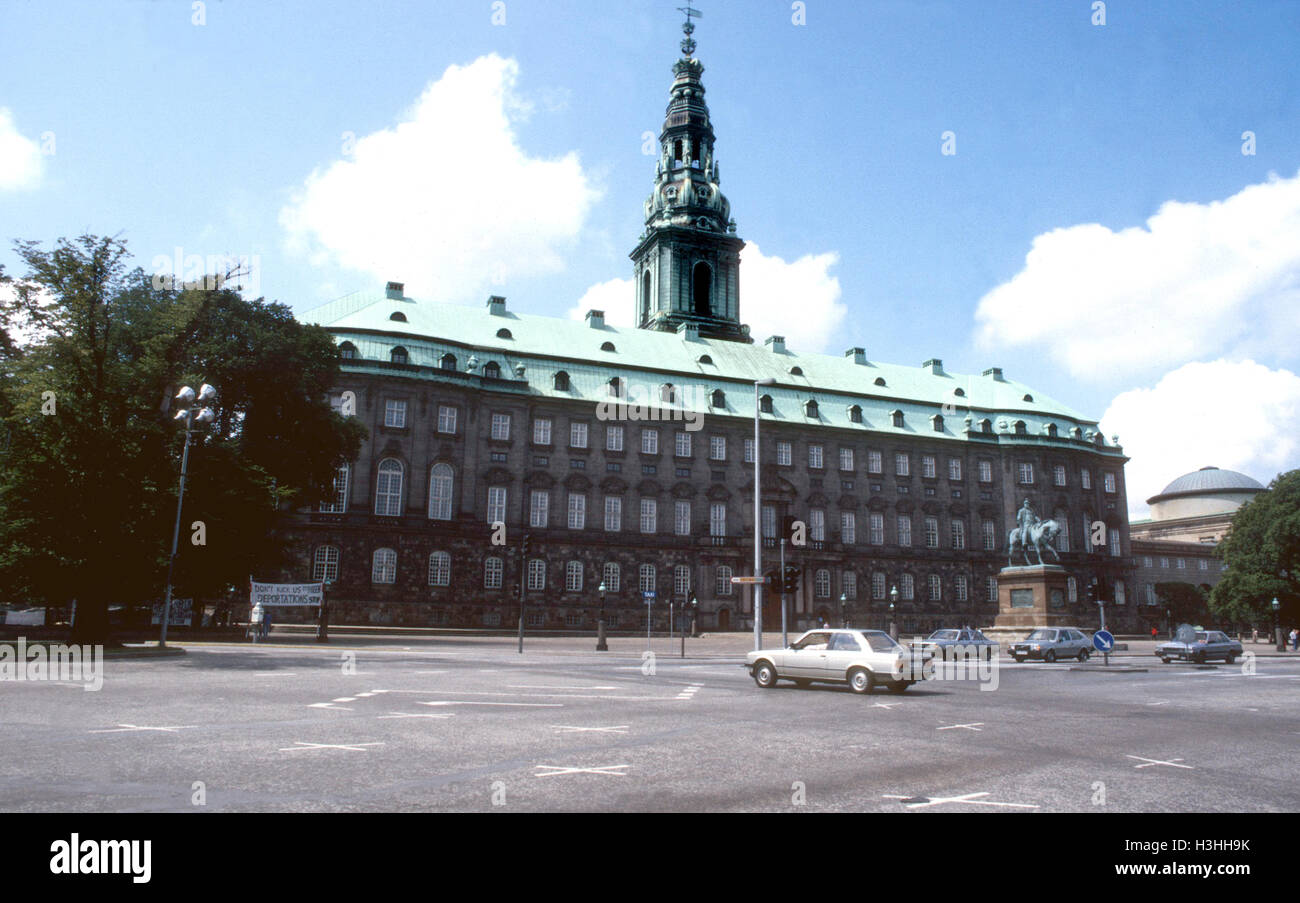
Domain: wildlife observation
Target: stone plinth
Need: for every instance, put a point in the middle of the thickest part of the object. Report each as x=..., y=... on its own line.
x=1031, y=597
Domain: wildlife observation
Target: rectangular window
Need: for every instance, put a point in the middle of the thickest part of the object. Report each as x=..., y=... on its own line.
x=989, y=531
x=681, y=581
x=613, y=514
x=501, y=426
x=1026, y=472
x=1058, y=475
x=573, y=576
x=439, y=569
x=986, y=471
x=493, y=573
x=649, y=442
x=577, y=435
x=846, y=459
x=1113, y=536
x=749, y=451
x=1203, y=565
x=815, y=458
x=496, y=506
x=849, y=584
x=1120, y=595
x=783, y=454
x=817, y=525
x=326, y=566
x=902, y=466
x=991, y=588
x=647, y=575
x=1182, y=564
x=577, y=511
x=682, y=518
x=717, y=448
x=717, y=519
x=1110, y=482
x=936, y=588
x=446, y=419
x=878, y=585
x=959, y=534
x=932, y=532
x=963, y=591
x=539, y=508
x=338, y=503
x=769, y=522
x=614, y=438
x=542, y=431
x=722, y=581
x=1085, y=478
x=649, y=515
x=904, y=530
x=954, y=469
x=613, y=577
x=906, y=588
x=875, y=462
x=877, y=525
x=536, y=574
x=682, y=445
x=928, y=466
x=395, y=414
x=848, y=527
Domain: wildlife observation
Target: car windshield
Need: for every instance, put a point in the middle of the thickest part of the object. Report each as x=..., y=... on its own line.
x=1202, y=638
x=812, y=639
x=1042, y=635
x=944, y=635
x=880, y=642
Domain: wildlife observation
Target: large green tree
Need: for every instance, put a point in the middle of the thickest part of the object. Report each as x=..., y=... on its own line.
x=1262, y=551
x=88, y=487
x=1186, y=603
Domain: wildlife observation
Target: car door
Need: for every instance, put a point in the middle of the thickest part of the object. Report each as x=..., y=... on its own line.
x=806, y=658
x=842, y=652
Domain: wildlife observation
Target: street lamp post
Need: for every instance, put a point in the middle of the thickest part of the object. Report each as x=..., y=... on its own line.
x=323, y=619
x=893, y=602
x=844, y=610
x=190, y=416
x=1169, y=622
x=1277, y=626
x=601, y=645
x=693, y=606
x=758, y=519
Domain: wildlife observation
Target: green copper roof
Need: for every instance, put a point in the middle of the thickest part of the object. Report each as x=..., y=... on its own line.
x=648, y=359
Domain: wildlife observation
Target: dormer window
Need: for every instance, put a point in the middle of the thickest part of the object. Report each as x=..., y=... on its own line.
x=561, y=382
x=607, y=346
x=765, y=404
x=667, y=394
x=705, y=359
x=491, y=370
x=796, y=371
x=398, y=316
x=1050, y=430
x=1019, y=428
x=399, y=356
x=1029, y=398
x=448, y=362
x=986, y=425
x=960, y=393
x=504, y=334
x=880, y=380
x=810, y=409
x=855, y=414
x=937, y=422
x=616, y=388
x=348, y=351
x=896, y=417
x=718, y=399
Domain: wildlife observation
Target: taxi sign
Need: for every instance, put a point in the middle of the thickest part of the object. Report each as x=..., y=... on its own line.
x=1103, y=640
x=748, y=579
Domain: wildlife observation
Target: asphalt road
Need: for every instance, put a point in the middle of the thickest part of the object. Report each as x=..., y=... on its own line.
x=471, y=725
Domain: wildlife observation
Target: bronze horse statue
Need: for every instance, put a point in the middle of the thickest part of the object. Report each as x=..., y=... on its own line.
x=1041, y=536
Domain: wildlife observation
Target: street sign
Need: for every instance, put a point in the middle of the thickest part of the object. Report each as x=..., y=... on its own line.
x=1103, y=641
x=749, y=580
x=649, y=597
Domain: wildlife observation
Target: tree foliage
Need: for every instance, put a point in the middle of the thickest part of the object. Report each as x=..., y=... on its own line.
x=1262, y=551
x=88, y=484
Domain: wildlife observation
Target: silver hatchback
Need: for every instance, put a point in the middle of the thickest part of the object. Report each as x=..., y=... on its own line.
x=1052, y=643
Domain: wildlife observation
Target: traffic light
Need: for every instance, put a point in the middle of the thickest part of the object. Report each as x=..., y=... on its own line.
x=790, y=580
x=1092, y=591
x=773, y=578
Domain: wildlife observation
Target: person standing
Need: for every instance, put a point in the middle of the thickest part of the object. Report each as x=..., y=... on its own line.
x=1295, y=639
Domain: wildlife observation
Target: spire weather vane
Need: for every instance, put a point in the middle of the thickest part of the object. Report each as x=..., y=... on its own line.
x=688, y=43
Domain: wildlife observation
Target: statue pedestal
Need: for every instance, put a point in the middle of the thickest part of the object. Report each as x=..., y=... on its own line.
x=1030, y=597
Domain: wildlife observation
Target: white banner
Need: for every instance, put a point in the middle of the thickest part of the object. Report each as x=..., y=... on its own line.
x=306, y=595
x=182, y=612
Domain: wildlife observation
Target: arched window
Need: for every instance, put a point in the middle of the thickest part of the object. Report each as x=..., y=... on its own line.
x=677, y=151
x=337, y=503
x=667, y=393
x=607, y=346
x=796, y=371
x=399, y=356
x=701, y=289
x=897, y=419
x=648, y=578
x=705, y=359
x=325, y=565
x=855, y=414
x=611, y=577
x=504, y=334
x=440, y=569
x=1051, y=430
x=810, y=409
x=960, y=393
x=1029, y=398
x=880, y=380
x=718, y=399
x=398, y=316
x=645, y=296
x=388, y=488
x=348, y=351
x=440, y=487
x=617, y=388
x=765, y=404
x=384, y=568
x=986, y=425
x=448, y=362
x=491, y=370
x=937, y=422
x=561, y=382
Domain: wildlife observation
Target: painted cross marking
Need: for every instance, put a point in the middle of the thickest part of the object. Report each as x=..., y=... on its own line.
x=553, y=770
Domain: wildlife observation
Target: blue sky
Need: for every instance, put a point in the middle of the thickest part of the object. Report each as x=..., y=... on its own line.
x=275, y=130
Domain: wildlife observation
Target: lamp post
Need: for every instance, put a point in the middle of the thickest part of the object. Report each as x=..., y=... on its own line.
x=1169, y=622
x=844, y=610
x=693, y=607
x=1277, y=626
x=893, y=602
x=758, y=519
x=204, y=415
x=323, y=621
x=601, y=645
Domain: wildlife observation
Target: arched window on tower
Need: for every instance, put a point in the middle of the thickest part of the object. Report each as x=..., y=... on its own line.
x=677, y=154
x=701, y=287
x=645, y=296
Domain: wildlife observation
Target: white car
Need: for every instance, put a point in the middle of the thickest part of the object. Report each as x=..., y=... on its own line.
x=863, y=659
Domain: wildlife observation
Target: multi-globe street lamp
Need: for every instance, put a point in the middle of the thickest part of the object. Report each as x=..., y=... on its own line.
x=601, y=645
x=1277, y=626
x=204, y=415
x=844, y=610
x=893, y=603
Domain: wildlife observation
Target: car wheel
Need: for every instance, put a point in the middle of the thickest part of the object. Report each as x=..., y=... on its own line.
x=861, y=680
x=1165, y=660
x=1198, y=659
x=1020, y=659
x=1230, y=659
x=765, y=675
x=1083, y=655
x=1049, y=655
x=899, y=686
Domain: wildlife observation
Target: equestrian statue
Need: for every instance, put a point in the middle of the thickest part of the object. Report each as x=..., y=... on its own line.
x=1029, y=533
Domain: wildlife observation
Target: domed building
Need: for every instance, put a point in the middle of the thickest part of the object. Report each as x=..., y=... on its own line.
x=1189, y=518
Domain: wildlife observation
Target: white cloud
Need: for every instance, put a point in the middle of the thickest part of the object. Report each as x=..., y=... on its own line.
x=1234, y=415
x=446, y=201
x=20, y=157
x=798, y=300
x=1199, y=280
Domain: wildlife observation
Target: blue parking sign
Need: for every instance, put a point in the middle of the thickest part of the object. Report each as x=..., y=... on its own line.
x=1103, y=640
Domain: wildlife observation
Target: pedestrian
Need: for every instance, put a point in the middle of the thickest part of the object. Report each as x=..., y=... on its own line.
x=1154, y=633
x=266, y=623
x=255, y=622
x=1295, y=639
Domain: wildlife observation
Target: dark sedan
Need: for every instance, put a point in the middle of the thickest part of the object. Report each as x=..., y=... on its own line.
x=1206, y=645
x=953, y=644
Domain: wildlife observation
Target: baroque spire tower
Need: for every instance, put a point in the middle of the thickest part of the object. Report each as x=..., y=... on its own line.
x=687, y=264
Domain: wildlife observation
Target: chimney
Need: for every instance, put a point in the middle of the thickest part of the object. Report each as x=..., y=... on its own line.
x=934, y=365
x=497, y=306
x=995, y=372
x=395, y=290
x=859, y=355
x=776, y=343
x=596, y=319
x=690, y=332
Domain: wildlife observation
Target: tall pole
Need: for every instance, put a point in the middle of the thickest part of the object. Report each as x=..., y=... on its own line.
x=785, y=635
x=523, y=576
x=758, y=532
x=176, y=532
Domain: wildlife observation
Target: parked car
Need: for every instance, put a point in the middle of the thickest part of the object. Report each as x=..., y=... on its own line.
x=1206, y=645
x=863, y=659
x=1051, y=643
x=945, y=644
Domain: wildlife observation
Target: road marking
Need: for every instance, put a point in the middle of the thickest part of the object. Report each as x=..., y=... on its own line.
x=354, y=747
x=564, y=728
x=417, y=715
x=970, y=799
x=1147, y=763
x=530, y=705
x=890, y=705
x=345, y=699
x=328, y=705
x=542, y=687
x=1159, y=702
x=973, y=726
x=690, y=691
x=542, y=695
x=421, y=672
x=123, y=728
x=273, y=673
x=553, y=770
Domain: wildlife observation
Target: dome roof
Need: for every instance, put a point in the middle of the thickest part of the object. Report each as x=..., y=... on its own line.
x=1208, y=480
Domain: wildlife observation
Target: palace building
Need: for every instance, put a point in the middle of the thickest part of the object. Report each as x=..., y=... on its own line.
x=623, y=457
